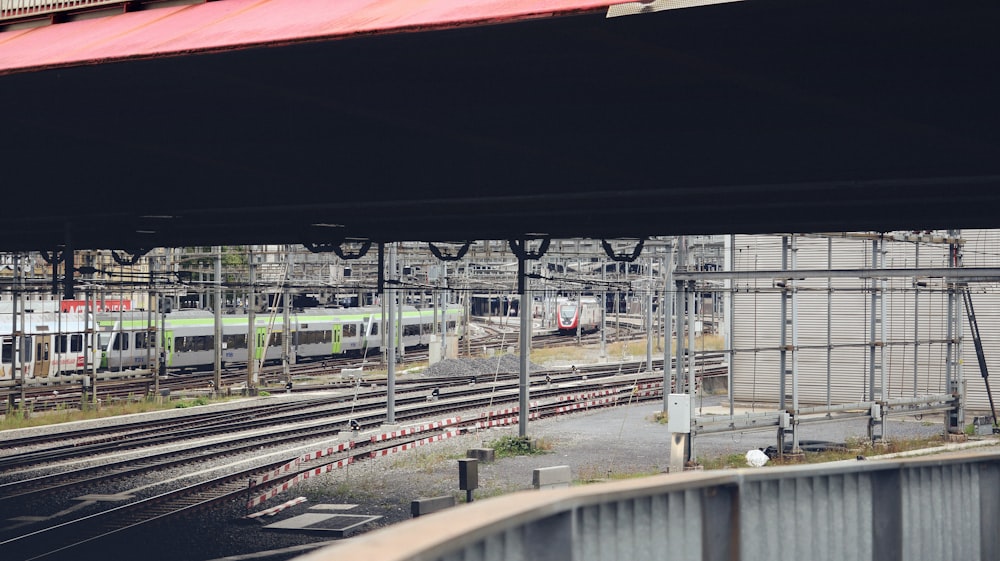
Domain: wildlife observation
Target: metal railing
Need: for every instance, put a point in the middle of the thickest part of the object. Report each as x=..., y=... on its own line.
x=930, y=508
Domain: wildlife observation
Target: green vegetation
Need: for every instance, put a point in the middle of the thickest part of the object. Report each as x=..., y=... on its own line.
x=20, y=419
x=596, y=474
x=541, y=356
x=194, y=402
x=510, y=446
x=853, y=448
x=424, y=460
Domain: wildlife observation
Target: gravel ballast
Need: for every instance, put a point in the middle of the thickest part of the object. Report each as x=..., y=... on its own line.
x=595, y=444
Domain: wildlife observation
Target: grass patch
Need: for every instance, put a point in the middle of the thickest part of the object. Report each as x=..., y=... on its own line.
x=661, y=417
x=194, y=402
x=724, y=462
x=853, y=448
x=596, y=474
x=510, y=446
x=425, y=461
x=619, y=349
x=561, y=353
x=22, y=420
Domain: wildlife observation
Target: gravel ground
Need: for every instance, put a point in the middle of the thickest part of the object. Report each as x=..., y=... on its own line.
x=504, y=364
x=595, y=444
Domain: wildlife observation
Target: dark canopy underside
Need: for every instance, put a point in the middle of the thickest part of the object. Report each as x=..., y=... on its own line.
x=761, y=116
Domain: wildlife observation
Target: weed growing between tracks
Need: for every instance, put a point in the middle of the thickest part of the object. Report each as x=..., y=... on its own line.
x=19, y=419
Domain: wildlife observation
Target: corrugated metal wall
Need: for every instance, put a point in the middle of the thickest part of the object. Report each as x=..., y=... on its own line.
x=915, y=320
x=926, y=509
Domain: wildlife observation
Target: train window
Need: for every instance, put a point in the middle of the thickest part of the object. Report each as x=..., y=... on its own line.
x=411, y=330
x=428, y=328
x=350, y=330
x=192, y=344
x=141, y=340
x=76, y=343
x=451, y=325
x=275, y=339
x=5, y=354
x=121, y=342
x=315, y=337
x=44, y=351
x=374, y=329
x=27, y=349
x=61, y=341
x=237, y=341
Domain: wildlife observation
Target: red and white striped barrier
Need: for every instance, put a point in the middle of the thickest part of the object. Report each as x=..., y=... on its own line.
x=276, y=509
x=413, y=430
x=275, y=491
x=414, y=444
x=500, y=412
x=587, y=405
x=508, y=411
x=503, y=421
x=584, y=396
x=294, y=464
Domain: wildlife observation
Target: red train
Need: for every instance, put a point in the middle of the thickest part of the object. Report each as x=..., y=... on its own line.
x=584, y=314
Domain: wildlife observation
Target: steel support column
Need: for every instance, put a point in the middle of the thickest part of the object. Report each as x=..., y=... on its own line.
x=218, y=320
x=679, y=314
x=389, y=302
x=524, y=347
x=876, y=346
x=667, y=303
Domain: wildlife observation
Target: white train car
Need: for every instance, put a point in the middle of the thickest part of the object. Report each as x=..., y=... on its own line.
x=54, y=343
x=583, y=314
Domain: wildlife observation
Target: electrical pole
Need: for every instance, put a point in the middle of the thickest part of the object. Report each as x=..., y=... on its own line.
x=218, y=320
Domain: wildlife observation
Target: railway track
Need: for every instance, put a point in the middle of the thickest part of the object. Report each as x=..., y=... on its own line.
x=553, y=393
x=68, y=392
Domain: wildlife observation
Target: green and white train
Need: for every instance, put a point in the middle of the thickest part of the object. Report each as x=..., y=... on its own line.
x=60, y=343
x=189, y=335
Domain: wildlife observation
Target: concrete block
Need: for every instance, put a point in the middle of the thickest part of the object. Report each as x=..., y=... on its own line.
x=551, y=477
x=428, y=505
x=485, y=455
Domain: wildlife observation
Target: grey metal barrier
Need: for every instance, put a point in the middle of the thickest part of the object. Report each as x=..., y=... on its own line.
x=930, y=508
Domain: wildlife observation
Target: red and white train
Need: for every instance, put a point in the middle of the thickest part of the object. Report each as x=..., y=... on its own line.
x=583, y=315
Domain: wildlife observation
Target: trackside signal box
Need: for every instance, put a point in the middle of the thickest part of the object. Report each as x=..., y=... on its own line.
x=679, y=413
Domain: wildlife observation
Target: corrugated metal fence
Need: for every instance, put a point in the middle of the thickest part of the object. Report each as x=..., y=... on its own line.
x=933, y=508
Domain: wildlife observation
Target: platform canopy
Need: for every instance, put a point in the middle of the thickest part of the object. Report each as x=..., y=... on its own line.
x=289, y=121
